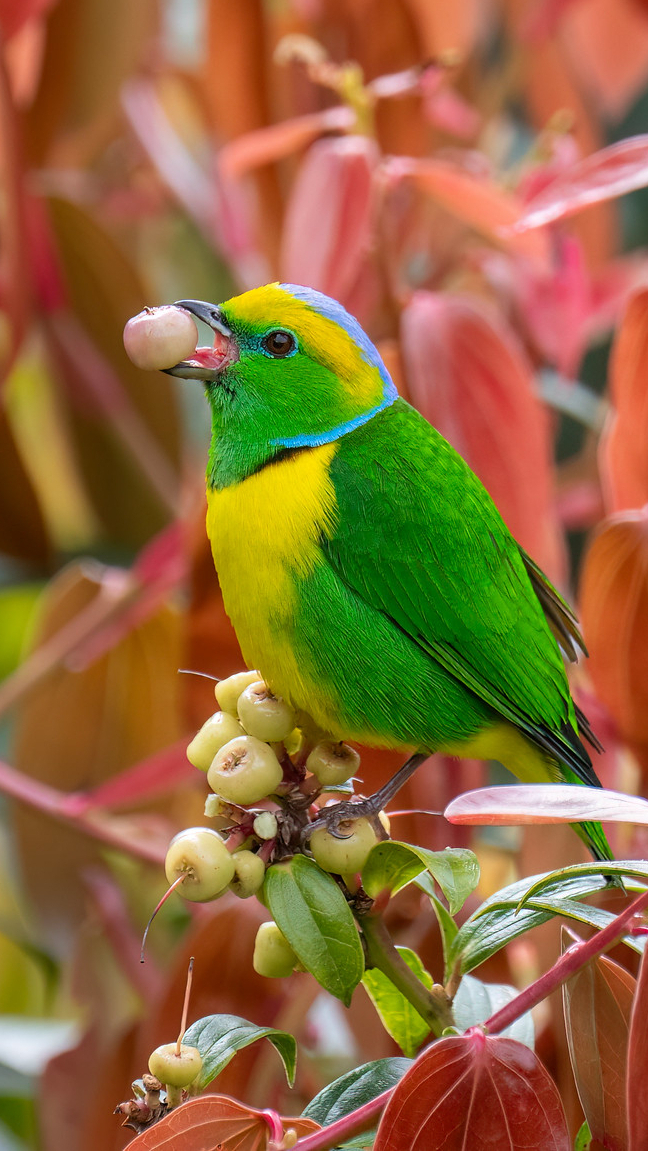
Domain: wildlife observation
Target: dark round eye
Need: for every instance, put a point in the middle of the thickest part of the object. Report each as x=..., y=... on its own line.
x=279, y=343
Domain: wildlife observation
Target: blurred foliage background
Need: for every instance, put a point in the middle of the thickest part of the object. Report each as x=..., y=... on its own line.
x=377, y=150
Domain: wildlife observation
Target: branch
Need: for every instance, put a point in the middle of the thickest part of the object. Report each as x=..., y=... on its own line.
x=432, y=1005
x=344, y=1129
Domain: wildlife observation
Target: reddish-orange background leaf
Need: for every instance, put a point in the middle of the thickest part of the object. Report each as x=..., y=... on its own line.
x=211, y=1122
x=614, y=613
x=623, y=458
x=621, y=168
x=637, y=1069
x=331, y=203
x=597, y=1002
x=475, y=1091
x=477, y=201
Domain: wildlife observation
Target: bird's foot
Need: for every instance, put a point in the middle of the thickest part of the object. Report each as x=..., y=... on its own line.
x=333, y=817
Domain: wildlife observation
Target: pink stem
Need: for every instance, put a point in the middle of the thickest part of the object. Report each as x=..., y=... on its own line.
x=116, y=832
x=352, y=1124
x=573, y=959
x=108, y=603
x=236, y=838
x=273, y=1119
x=266, y=850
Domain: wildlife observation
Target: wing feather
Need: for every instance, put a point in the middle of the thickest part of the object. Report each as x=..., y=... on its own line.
x=419, y=538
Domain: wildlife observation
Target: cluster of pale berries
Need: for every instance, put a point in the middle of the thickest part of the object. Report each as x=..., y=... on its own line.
x=252, y=752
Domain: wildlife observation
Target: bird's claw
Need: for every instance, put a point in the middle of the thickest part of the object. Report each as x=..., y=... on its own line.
x=332, y=817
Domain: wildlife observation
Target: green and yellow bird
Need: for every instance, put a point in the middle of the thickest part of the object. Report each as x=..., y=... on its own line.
x=366, y=570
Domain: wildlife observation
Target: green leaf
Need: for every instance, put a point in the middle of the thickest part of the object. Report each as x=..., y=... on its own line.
x=399, y=1018
x=362, y=1142
x=353, y=1090
x=447, y=925
x=636, y=868
x=583, y=1140
x=498, y=920
x=219, y=1037
x=476, y=1001
x=316, y=919
x=393, y=865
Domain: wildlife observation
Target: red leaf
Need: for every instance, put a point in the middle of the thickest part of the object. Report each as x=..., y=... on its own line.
x=614, y=612
x=557, y=306
x=13, y=15
x=611, y=172
x=214, y=1121
x=253, y=149
x=468, y=375
x=543, y=17
x=545, y=803
x=448, y=110
x=475, y=1091
x=329, y=216
x=597, y=1002
x=623, y=457
x=476, y=200
x=637, y=1072
x=605, y=43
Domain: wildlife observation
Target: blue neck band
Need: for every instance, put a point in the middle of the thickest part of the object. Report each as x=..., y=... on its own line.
x=334, y=311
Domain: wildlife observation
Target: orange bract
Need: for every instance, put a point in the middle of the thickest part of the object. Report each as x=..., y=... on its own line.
x=614, y=610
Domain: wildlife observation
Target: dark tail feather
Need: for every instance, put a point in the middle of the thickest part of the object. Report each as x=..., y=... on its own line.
x=560, y=616
x=593, y=835
x=586, y=731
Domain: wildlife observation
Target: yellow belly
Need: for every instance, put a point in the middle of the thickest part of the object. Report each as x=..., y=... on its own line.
x=264, y=534
x=505, y=743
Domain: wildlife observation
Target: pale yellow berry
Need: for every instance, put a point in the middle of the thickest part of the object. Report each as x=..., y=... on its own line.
x=265, y=825
x=245, y=770
x=343, y=856
x=201, y=856
x=160, y=338
x=172, y=1069
x=273, y=955
x=265, y=715
x=227, y=691
x=333, y=763
x=214, y=734
x=249, y=873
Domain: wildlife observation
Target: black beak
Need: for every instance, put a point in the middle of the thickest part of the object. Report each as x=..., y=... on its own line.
x=209, y=313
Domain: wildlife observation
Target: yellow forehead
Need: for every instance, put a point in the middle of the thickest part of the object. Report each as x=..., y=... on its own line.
x=263, y=307
x=320, y=336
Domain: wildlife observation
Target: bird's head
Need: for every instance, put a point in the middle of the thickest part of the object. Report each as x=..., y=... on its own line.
x=290, y=369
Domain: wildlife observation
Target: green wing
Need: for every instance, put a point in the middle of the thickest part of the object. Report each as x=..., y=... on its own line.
x=420, y=540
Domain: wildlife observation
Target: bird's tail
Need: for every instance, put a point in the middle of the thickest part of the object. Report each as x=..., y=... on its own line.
x=593, y=835
x=591, y=832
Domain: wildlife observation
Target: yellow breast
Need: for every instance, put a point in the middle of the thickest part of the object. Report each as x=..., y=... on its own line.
x=265, y=533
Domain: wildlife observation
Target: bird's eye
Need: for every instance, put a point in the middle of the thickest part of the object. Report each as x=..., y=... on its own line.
x=279, y=343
